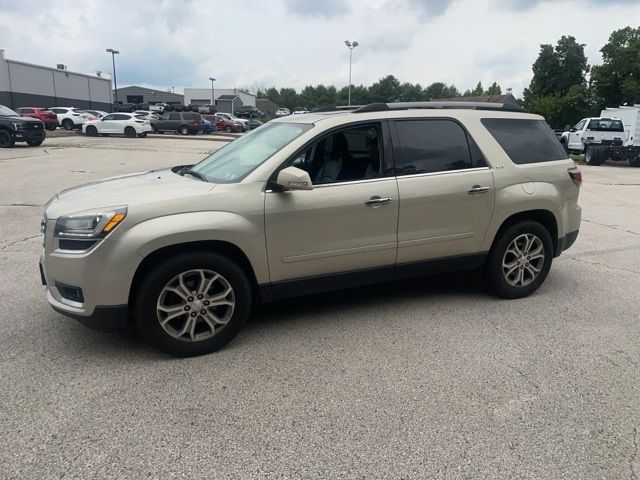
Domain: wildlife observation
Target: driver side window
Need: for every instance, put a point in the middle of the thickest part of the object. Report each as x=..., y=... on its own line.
x=346, y=155
x=580, y=124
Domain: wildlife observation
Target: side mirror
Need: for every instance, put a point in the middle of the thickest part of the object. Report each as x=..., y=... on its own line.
x=573, y=130
x=292, y=178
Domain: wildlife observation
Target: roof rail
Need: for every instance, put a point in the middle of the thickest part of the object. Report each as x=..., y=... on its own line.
x=381, y=107
x=335, y=108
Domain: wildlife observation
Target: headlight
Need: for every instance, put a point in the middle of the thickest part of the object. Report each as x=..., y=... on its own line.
x=89, y=225
x=18, y=126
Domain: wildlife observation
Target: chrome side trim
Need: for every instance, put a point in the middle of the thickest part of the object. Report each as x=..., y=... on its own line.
x=337, y=253
x=431, y=174
x=444, y=238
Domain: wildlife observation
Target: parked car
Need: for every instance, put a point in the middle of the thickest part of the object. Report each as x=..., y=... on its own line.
x=158, y=108
x=225, y=125
x=146, y=115
x=254, y=123
x=207, y=127
x=282, y=112
x=185, y=252
x=244, y=122
x=117, y=124
x=206, y=108
x=49, y=118
x=300, y=111
x=248, y=112
x=15, y=128
x=97, y=113
x=70, y=117
x=183, y=122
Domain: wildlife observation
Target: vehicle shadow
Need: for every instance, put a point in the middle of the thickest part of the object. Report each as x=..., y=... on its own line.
x=382, y=295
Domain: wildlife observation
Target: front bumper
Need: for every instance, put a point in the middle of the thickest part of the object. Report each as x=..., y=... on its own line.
x=29, y=136
x=99, y=317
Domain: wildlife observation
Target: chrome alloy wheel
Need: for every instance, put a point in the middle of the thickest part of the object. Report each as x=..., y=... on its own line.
x=523, y=260
x=195, y=305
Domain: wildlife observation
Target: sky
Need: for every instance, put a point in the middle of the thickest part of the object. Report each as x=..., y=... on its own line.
x=292, y=43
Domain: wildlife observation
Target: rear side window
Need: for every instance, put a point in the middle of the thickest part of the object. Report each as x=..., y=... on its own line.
x=428, y=146
x=525, y=141
x=191, y=116
x=174, y=116
x=120, y=116
x=606, y=125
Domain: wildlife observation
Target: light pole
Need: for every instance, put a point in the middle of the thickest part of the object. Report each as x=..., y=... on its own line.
x=213, y=93
x=113, y=60
x=350, y=46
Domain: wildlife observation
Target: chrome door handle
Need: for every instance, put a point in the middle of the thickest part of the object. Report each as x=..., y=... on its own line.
x=377, y=201
x=478, y=189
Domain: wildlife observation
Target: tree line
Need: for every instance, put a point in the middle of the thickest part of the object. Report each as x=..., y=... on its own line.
x=387, y=89
x=564, y=87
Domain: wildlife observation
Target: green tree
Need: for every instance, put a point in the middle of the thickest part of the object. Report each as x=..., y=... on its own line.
x=617, y=80
x=386, y=89
x=440, y=90
x=479, y=90
x=494, y=89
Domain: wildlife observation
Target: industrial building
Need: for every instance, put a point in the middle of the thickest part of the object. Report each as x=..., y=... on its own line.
x=24, y=84
x=202, y=96
x=137, y=95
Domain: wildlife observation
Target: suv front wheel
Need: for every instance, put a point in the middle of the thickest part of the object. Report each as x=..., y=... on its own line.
x=520, y=260
x=193, y=304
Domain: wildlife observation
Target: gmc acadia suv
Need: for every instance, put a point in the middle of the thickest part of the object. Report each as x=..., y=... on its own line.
x=308, y=203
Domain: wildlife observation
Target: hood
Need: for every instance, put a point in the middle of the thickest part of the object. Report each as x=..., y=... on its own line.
x=13, y=118
x=133, y=190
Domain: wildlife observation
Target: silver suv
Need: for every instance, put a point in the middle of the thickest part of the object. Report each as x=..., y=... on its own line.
x=308, y=203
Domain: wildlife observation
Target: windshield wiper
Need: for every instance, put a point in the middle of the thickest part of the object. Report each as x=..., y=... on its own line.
x=195, y=174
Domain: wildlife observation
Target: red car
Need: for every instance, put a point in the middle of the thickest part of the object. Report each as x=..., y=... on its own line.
x=222, y=124
x=50, y=119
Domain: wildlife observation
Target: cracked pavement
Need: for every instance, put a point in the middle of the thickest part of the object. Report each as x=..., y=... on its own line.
x=409, y=380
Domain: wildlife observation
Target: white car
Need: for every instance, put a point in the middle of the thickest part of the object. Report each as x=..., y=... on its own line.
x=145, y=115
x=70, y=117
x=243, y=122
x=300, y=111
x=118, y=124
x=283, y=112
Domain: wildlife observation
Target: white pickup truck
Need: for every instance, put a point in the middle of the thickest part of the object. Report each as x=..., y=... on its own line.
x=612, y=136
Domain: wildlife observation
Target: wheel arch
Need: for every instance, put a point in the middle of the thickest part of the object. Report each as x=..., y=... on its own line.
x=222, y=247
x=545, y=217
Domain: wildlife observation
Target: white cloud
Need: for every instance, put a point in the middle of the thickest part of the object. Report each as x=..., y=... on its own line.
x=298, y=42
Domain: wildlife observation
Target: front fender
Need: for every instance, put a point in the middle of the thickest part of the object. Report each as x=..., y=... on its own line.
x=245, y=233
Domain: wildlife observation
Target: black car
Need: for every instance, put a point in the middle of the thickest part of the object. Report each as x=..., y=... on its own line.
x=14, y=128
x=183, y=122
x=248, y=112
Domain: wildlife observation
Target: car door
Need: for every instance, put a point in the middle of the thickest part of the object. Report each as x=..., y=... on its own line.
x=107, y=124
x=446, y=190
x=575, y=136
x=348, y=221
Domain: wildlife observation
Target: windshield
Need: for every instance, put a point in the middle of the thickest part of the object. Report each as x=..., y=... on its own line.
x=7, y=112
x=240, y=157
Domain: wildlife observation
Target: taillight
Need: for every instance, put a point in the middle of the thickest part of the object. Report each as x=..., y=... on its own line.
x=576, y=175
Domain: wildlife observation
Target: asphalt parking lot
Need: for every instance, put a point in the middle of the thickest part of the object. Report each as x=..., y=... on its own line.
x=409, y=380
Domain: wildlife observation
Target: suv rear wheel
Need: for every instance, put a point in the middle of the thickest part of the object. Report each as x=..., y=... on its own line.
x=130, y=132
x=193, y=304
x=520, y=260
x=68, y=124
x=184, y=130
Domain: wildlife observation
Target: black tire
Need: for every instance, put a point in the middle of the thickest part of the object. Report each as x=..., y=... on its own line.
x=635, y=162
x=228, y=129
x=6, y=140
x=68, y=124
x=493, y=271
x=154, y=129
x=592, y=156
x=35, y=143
x=148, y=294
x=51, y=128
x=92, y=131
x=184, y=130
x=565, y=145
x=142, y=135
x=130, y=132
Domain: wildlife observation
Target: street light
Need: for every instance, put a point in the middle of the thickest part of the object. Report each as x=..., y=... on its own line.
x=350, y=46
x=213, y=95
x=115, y=80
